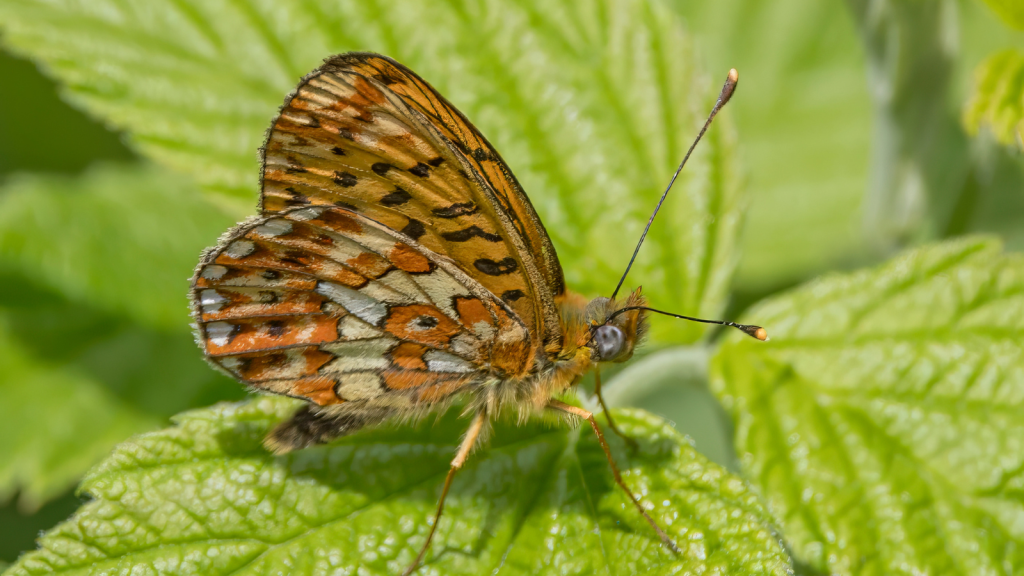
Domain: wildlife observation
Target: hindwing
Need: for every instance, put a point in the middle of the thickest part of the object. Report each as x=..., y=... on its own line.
x=325, y=304
x=367, y=134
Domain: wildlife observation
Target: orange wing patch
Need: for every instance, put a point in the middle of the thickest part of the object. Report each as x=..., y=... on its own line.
x=324, y=304
x=366, y=134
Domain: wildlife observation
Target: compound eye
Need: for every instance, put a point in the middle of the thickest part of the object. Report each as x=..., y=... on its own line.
x=610, y=342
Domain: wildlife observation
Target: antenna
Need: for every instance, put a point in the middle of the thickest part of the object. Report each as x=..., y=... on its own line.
x=723, y=97
x=748, y=329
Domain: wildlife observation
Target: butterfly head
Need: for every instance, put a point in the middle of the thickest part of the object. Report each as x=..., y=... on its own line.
x=616, y=328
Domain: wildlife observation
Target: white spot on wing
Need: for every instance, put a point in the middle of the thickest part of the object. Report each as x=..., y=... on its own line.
x=440, y=361
x=465, y=345
x=383, y=293
x=363, y=306
x=441, y=288
x=399, y=281
x=352, y=328
x=214, y=272
x=483, y=330
x=358, y=356
x=212, y=301
x=220, y=333
x=359, y=386
x=311, y=213
x=240, y=249
x=275, y=227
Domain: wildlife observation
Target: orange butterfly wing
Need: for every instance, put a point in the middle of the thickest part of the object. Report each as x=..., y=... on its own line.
x=325, y=304
x=365, y=133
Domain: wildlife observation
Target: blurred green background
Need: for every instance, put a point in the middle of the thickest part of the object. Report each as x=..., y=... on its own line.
x=852, y=144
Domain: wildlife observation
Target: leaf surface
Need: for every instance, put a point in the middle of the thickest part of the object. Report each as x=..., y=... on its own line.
x=592, y=104
x=884, y=421
x=1011, y=12
x=124, y=239
x=804, y=116
x=94, y=338
x=997, y=99
x=204, y=497
x=55, y=424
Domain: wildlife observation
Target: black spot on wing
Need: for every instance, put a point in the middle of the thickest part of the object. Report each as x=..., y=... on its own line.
x=421, y=170
x=385, y=79
x=492, y=268
x=470, y=233
x=436, y=161
x=275, y=328
x=297, y=197
x=346, y=134
x=338, y=151
x=345, y=205
x=296, y=257
x=414, y=229
x=481, y=155
x=457, y=209
x=426, y=322
x=396, y=198
x=381, y=168
x=512, y=295
x=294, y=170
x=277, y=359
x=345, y=179
x=271, y=274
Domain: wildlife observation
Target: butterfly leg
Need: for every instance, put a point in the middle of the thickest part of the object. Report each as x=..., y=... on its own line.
x=604, y=407
x=472, y=435
x=589, y=417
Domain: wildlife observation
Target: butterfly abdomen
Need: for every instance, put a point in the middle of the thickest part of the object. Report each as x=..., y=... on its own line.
x=311, y=425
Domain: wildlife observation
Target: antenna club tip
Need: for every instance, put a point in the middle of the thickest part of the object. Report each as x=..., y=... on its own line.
x=754, y=331
x=729, y=87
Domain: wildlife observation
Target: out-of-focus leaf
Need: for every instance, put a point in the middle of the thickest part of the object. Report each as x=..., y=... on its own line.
x=804, y=117
x=205, y=498
x=18, y=530
x=592, y=103
x=884, y=421
x=997, y=100
x=93, y=275
x=1011, y=12
x=158, y=372
x=910, y=48
x=31, y=115
x=120, y=238
x=55, y=424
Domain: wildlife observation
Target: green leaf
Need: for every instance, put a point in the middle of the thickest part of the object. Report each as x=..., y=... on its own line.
x=805, y=117
x=1011, y=12
x=592, y=103
x=673, y=383
x=884, y=420
x=997, y=99
x=55, y=424
x=95, y=343
x=28, y=144
x=124, y=239
x=205, y=498
x=918, y=153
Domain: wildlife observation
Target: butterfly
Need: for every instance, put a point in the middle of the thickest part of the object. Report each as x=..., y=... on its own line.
x=397, y=266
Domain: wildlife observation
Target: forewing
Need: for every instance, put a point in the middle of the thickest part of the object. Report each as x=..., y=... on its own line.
x=324, y=304
x=366, y=133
